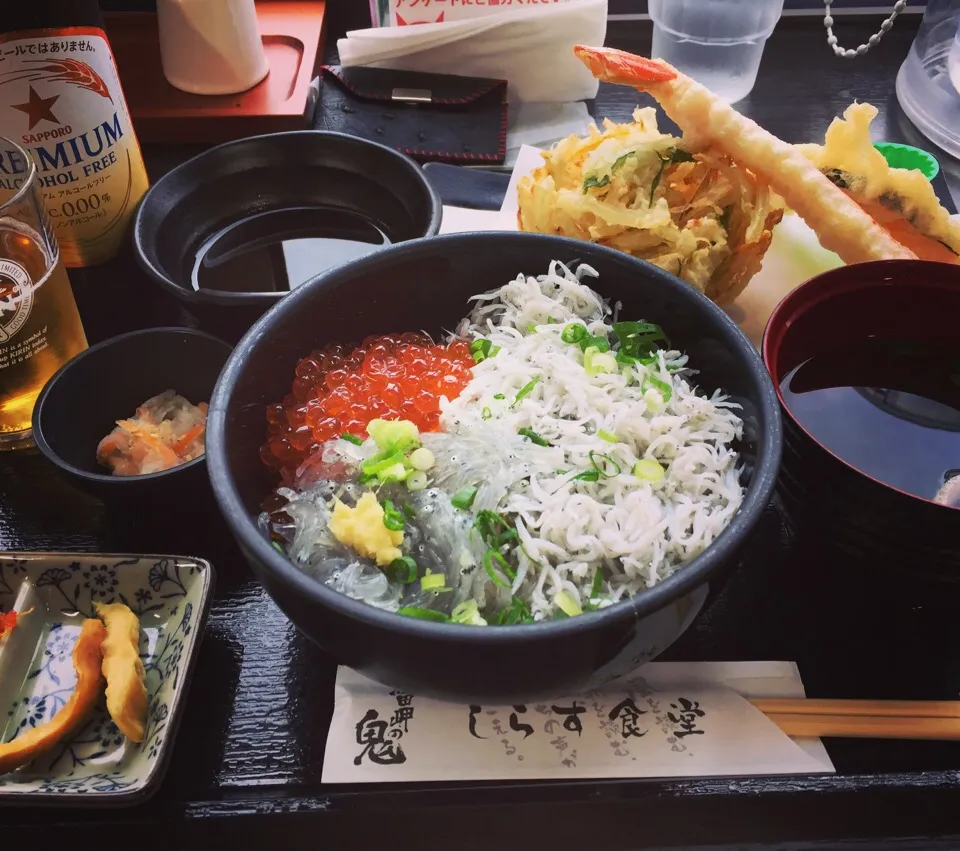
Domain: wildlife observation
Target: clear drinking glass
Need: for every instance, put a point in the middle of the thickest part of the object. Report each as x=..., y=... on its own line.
x=717, y=42
x=928, y=85
x=40, y=328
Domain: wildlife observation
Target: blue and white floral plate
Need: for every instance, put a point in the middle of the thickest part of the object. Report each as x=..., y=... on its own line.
x=97, y=766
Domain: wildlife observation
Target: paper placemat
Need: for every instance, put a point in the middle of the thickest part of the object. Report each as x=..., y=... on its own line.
x=670, y=719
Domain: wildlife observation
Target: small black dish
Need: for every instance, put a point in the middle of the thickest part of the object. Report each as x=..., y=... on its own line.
x=81, y=403
x=255, y=217
x=426, y=284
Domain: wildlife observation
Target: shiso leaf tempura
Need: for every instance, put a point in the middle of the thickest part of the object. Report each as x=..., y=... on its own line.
x=578, y=466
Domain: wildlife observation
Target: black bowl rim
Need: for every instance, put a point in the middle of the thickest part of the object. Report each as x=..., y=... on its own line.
x=674, y=587
x=228, y=299
x=106, y=478
x=819, y=290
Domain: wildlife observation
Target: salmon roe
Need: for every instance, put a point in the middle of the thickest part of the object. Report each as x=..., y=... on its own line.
x=336, y=390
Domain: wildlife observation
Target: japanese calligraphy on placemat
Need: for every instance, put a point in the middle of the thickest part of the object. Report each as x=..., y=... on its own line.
x=669, y=720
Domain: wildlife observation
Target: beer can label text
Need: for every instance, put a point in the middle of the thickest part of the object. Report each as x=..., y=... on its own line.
x=60, y=97
x=16, y=301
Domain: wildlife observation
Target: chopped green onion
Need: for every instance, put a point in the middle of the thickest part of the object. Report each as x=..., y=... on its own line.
x=467, y=612
x=495, y=530
x=382, y=461
x=392, y=518
x=629, y=360
x=365, y=478
x=587, y=476
x=486, y=414
x=393, y=435
x=422, y=459
x=499, y=396
x=480, y=347
x=648, y=469
x=403, y=569
x=552, y=321
x=433, y=582
x=423, y=614
x=651, y=382
x=595, y=361
x=278, y=547
x=638, y=339
x=595, y=590
x=526, y=389
x=417, y=480
x=567, y=604
x=396, y=473
x=597, y=585
x=409, y=511
x=490, y=525
x=601, y=344
x=463, y=498
x=352, y=438
x=608, y=436
x=533, y=437
x=491, y=556
x=531, y=328
x=516, y=612
x=605, y=466
x=573, y=333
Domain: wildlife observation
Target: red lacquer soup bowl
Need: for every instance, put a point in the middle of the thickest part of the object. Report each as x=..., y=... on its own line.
x=866, y=359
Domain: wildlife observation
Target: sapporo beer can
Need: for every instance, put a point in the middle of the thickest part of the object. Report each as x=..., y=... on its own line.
x=61, y=99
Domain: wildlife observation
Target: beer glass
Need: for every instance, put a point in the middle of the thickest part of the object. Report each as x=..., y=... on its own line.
x=40, y=328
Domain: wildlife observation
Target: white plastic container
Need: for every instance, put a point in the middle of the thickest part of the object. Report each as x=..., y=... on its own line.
x=717, y=42
x=211, y=47
x=928, y=85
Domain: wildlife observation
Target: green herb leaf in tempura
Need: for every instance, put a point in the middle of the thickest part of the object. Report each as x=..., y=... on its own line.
x=669, y=157
x=593, y=181
x=621, y=161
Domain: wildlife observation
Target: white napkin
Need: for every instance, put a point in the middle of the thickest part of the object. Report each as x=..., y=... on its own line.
x=540, y=125
x=531, y=47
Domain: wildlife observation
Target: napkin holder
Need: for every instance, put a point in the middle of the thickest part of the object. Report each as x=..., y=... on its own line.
x=429, y=117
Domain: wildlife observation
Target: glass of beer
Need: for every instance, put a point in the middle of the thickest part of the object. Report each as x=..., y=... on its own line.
x=40, y=328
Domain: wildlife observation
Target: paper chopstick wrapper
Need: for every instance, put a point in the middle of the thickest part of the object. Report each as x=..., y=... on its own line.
x=668, y=720
x=530, y=46
x=794, y=256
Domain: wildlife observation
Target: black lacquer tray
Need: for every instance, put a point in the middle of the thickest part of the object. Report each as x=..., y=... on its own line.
x=247, y=761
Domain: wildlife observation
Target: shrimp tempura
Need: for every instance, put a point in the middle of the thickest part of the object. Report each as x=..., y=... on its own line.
x=840, y=223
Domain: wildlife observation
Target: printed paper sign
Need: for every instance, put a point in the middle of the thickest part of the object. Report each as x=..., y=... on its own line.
x=406, y=12
x=669, y=720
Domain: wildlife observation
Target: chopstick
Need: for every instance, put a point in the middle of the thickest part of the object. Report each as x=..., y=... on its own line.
x=876, y=708
x=874, y=719
x=867, y=727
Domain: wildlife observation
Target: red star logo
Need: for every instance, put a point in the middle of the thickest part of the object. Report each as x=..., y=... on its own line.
x=38, y=109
